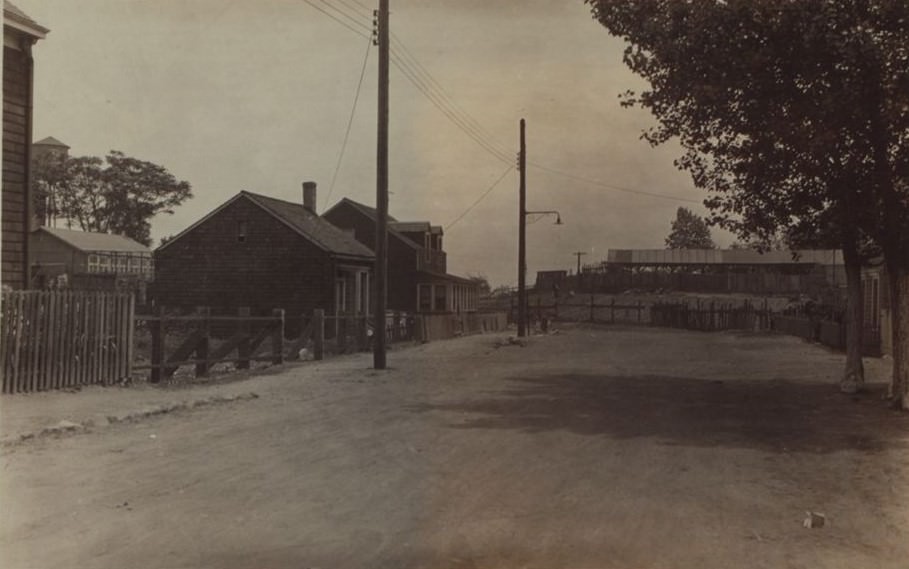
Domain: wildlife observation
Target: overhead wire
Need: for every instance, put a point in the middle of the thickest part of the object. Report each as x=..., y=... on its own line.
x=353, y=111
x=417, y=74
x=610, y=186
x=336, y=19
x=481, y=198
x=352, y=19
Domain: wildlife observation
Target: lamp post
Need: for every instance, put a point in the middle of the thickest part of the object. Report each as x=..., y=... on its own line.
x=522, y=235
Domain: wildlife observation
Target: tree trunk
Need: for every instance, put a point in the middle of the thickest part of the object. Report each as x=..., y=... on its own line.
x=854, y=374
x=899, y=323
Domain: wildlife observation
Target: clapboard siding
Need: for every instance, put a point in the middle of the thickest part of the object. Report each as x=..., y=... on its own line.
x=274, y=267
x=16, y=139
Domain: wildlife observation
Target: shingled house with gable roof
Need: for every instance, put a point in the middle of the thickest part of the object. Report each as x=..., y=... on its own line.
x=418, y=280
x=19, y=34
x=265, y=253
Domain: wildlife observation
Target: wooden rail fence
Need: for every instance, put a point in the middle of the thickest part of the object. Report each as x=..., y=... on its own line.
x=197, y=347
x=59, y=339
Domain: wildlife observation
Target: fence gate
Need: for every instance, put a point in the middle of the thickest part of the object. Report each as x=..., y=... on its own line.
x=59, y=339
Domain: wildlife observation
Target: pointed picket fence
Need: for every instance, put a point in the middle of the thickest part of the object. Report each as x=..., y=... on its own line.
x=60, y=339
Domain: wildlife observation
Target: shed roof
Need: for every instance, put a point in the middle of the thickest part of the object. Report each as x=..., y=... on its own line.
x=14, y=17
x=89, y=242
x=411, y=226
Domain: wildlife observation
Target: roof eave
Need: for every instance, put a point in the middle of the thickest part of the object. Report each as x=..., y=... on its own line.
x=29, y=28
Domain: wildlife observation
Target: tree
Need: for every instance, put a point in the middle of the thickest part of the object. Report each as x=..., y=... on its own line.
x=793, y=115
x=689, y=231
x=118, y=194
x=483, y=287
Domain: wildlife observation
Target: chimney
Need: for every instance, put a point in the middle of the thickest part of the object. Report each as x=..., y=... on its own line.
x=309, y=196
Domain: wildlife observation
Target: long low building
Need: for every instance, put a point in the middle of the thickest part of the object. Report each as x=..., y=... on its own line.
x=679, y=257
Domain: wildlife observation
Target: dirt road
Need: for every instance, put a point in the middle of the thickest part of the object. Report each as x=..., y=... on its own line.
x=596, y=447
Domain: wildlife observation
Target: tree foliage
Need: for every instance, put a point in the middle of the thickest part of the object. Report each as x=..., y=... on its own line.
x=483, y=286
x=689, y=231
x=118, y=194
x=793, y=114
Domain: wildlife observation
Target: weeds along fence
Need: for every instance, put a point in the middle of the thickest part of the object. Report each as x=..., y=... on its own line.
x=711, y=317
x=580, y=309
x=699, y=316
x=169, y=341
x=830, y=332
x=59, y=339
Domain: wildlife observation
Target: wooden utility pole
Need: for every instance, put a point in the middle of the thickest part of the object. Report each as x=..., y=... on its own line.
x=381, y=269
x=578, y=255
x=522, y=246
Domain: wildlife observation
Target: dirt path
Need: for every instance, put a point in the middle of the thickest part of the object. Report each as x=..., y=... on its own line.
x=592, y=448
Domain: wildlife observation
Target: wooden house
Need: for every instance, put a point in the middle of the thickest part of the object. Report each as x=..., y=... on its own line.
x=418, y=280
x=83, y=255
x=264, y=253
x=19, y=35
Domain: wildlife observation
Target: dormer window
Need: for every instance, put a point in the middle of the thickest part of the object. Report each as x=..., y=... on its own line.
x=241, y=231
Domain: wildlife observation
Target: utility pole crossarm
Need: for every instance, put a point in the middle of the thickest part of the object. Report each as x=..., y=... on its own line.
x=578, y=254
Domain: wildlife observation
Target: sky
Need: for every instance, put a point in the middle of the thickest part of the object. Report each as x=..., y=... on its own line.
x=242, y=95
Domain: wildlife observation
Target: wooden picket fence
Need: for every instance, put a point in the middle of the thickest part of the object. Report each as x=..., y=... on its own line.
x=711, y=317
x=59, y=339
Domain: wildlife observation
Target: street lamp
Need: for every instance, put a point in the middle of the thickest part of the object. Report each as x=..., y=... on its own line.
x=522, y=233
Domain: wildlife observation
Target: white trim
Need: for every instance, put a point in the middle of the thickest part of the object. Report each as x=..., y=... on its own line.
x=35, y=32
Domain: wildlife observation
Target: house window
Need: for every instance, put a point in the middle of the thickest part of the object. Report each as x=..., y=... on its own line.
x=122, y=264
x=103, y=263
x=441, y=304
x=93, y=263
x=424, y=294
x=241, y=231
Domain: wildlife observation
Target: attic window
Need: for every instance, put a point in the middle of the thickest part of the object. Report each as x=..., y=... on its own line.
x=241, y=231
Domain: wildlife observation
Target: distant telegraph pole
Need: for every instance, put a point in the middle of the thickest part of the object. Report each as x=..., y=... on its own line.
x=578, y=255
x=381, y=269
x=522, y=246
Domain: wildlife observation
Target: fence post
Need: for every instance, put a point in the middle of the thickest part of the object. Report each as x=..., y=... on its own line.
x=243, y=330
x=156, y=327
x=362, y=338
x=277, y=337
x=591, y=308
x=640, y=307
x=612, y=311
x=204, y=342
x=341, y=333
x=318, y=334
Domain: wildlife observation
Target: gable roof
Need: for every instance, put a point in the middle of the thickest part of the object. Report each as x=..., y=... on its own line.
x=372, y=214
x=50, y=141
x=89, y=242
x=15, y=18
x=365, y=209
x=312, y=226
x=307, y=224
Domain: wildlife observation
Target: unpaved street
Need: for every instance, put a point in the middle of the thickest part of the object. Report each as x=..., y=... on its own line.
x=595, y=447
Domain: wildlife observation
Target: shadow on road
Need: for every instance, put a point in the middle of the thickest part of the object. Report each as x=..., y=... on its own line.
x=770, y=415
